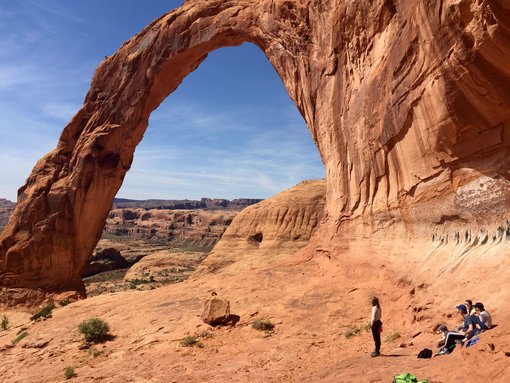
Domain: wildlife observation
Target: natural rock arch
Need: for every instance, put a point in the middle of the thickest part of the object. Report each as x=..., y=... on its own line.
x=395, y=94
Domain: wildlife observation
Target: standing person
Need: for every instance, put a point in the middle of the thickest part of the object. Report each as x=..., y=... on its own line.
x=376, y=325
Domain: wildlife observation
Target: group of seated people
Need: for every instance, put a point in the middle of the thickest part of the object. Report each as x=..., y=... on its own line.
x=476, y=320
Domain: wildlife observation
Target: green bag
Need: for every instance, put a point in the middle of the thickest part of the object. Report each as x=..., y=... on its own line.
x=407, y=378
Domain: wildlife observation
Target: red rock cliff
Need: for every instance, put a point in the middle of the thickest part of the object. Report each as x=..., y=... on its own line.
x=408, y=103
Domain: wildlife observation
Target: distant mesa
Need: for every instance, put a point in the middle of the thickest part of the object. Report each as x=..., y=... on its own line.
x=6, y=208
x=188, y=223
x=204, y=203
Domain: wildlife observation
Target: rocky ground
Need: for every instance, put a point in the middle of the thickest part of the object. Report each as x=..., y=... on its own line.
x=317, y=297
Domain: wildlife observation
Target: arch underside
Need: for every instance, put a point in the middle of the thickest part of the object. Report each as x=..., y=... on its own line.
x=408, y=105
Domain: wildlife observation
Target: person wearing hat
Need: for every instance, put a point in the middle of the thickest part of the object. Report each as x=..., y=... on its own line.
x=483, y=315
x=466, y=319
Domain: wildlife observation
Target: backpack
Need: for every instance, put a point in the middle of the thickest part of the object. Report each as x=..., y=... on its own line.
x=407, y=378
x=425, y=354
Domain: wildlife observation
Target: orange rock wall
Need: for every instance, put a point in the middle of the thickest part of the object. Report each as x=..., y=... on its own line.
x=408, y=103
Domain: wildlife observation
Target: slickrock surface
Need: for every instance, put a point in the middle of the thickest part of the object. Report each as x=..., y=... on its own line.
x=407, y=102
x=312, y=304
x=165, y=265
x=270, y=230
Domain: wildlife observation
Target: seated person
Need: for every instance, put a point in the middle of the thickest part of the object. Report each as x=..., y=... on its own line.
x=483, y=315
x=471, y=325
x=469, y=305
x=449, y=338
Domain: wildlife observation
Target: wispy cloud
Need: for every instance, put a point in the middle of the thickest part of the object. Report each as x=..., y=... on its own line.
x=53, y=9
x=62, y=111
x=213, y=139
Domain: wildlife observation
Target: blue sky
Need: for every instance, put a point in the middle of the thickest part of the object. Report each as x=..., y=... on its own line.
x=229, y=131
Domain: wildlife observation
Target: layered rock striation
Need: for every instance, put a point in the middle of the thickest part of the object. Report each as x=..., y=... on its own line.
x=6, y=208
x=407, y=102
x=199, y=228
x=270, y=230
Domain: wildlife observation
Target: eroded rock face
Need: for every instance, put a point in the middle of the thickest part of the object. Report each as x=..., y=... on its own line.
x=408, y=103
x=6, y=208
x=104, y=260
x=270, y=230
x=199, y=228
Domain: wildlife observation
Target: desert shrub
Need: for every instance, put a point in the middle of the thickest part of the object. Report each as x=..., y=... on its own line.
x=4, y=323
x=263, y=325
x=94, y=329
x=407, y=378
x=352, y=331
x=45, y=312
x=69, y=372
x=191, y=341
x=94, y=352
x=21, y=336
x=65, y=302
x=133, y=283
x=392, y=336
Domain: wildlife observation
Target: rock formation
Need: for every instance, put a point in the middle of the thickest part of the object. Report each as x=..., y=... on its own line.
x=6, y=208
x=165, y=266
x=104, y=260
x=270, y=230
x=407, y=102
x=198, y=228
x=204, y=203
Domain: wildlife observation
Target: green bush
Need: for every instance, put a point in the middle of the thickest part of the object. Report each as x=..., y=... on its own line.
x=94, y=329
x=22, y=335
x=65, y=302
x=263, y=325
x=4, y=324
x=191, y=341
x=44, y=313
x=69, y=372
x=407, y=378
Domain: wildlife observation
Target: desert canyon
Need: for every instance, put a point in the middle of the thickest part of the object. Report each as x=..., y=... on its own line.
x=409, y=106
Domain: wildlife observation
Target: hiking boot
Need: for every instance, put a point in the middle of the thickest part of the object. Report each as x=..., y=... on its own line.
x=375, y=353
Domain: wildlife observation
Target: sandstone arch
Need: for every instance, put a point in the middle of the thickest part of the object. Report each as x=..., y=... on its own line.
x=396, y=96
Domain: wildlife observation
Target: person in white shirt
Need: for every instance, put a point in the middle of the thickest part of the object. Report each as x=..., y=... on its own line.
x=484, y=316
x=376, y=326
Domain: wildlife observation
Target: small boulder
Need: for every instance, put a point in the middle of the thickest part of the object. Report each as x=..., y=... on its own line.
x=216, y=311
